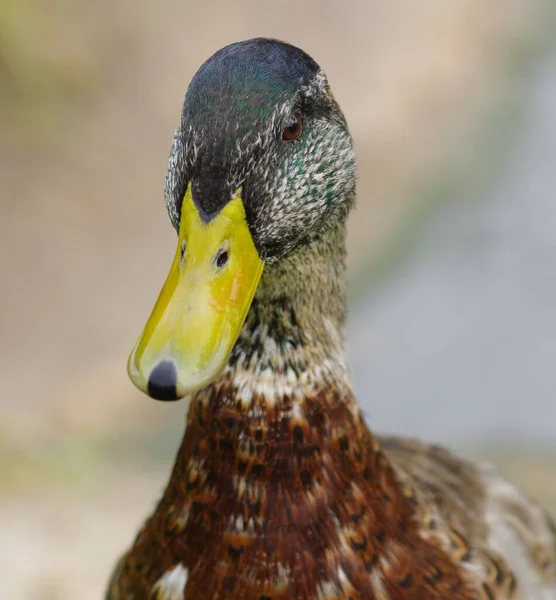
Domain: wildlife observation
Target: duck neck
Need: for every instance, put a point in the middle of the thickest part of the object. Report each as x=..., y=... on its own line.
x=292, y=343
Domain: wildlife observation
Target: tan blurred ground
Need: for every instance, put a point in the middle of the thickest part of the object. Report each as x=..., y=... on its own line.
x=87, y=113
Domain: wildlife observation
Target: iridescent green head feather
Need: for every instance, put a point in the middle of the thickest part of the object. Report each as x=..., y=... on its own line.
x=235, y=111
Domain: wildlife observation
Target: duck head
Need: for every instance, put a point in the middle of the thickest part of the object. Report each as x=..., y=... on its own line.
x=261, y=164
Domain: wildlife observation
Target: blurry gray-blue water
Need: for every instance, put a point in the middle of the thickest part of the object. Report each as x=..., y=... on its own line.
x=461, y=342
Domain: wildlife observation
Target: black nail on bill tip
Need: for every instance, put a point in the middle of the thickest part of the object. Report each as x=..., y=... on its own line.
x=163, y=381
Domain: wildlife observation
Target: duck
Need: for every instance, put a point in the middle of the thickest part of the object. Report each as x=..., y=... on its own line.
x=279, y=490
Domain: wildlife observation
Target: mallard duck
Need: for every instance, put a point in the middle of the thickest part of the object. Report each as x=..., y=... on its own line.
x=279, y=489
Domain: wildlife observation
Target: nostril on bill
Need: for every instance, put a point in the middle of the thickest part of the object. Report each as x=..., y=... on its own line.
x=163, y=381
x=221, y=258
x=183, y=249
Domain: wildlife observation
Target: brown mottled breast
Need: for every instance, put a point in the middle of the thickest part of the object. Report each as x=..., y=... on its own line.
x=285, y=501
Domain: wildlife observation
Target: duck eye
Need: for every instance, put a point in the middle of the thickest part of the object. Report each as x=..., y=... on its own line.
x=293, y=128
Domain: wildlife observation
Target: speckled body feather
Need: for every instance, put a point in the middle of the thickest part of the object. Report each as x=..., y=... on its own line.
x=279, y=490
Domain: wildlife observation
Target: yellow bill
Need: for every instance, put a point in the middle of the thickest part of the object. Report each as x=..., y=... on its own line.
x=201, y=309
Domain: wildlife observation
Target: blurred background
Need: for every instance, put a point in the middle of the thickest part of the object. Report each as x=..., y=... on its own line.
x=452, y=331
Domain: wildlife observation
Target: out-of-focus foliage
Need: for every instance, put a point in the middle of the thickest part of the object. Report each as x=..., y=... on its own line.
x=40, y=65
x=52, y=54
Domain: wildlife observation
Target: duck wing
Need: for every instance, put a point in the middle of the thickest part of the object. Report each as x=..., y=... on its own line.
x=505, y=540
